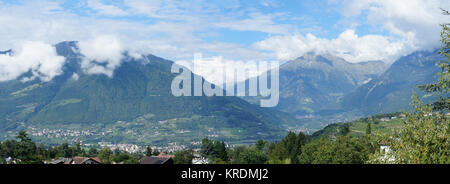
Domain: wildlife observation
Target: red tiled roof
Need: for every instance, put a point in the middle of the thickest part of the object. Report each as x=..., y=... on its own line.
x=164, y=155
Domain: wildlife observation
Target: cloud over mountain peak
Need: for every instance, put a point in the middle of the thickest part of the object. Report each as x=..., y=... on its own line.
x=38, y=58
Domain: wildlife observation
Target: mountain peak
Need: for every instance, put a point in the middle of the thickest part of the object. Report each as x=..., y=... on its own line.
x=68, y=49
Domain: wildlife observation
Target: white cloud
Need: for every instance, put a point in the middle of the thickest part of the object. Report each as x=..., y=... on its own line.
x=39, y=58
x=172, y=29
x=412, y=25
x=105, y=9
x=348, y=46
x=257, y=22
x=102, y=55
x=414, y=20
x=149, y=8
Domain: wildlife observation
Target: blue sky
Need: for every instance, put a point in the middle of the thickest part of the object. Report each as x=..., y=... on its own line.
x=244, y=30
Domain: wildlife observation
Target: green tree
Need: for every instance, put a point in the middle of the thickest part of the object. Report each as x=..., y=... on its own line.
x=149, y=151
x=207, y=147
x=345, y=129
x=125, y=158
x=293, y=144
x=41, y=152
x=260, y=144
x=220, y=151
x=77, y=150
x=317, y=152
x=105, y=155
x=442, y=87
x=25, y=149
x=423, y=139
x=343, y=150
x=183, y=157
x=253, y=156
x=2, y=153
x=236, y=153
x=92, y=152
x=288, y=149
x=369, y=128
x=278, y=154
x=64, y=151
x=8, y=148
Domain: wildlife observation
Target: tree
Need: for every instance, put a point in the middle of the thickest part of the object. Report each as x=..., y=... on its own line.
x=220, y=151
x=8, y=148
x=105, y=155
x=260, y=144
x=278, y=154
x=253, y=156
x=64, y=150
x=149, y=151
x=207, y=148
x=317, y=152
x=343, y=150
x=369, y=128
x=41, y=152
x=423, y=139
x=345, y=129
x=25, y=149
x=183, y=157
x=350, y=150
x=442, y=87
x=293, y=144
x=92, y=152
x=125, y=158
x=288, y=149
x=235, y=154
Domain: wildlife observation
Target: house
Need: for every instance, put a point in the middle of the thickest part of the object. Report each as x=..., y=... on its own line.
x=200, y=160
x=10, y=160
x=162, y=158
x=83, y=160
x=60, y=160
x=386, y=151
x=155, y=160
x=165, y=155
x=385, y=119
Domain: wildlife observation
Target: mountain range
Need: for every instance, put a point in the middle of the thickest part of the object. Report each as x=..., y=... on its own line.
x=133, y=106
x=317, y=83
x=392, y=91
x=324, y=89
x=136, y=106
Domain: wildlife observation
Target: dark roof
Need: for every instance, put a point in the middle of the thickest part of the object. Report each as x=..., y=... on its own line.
x=155, y=160
x=60, y=160
x=82, y=160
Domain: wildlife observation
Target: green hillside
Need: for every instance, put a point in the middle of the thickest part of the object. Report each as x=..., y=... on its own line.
x=380, y=124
